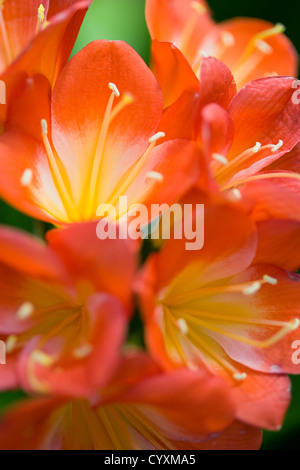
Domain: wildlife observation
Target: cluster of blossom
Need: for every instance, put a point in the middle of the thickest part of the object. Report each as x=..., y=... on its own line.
x=212, y=122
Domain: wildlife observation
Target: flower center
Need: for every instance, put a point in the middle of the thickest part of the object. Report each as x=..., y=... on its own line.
x=87, y=207
x=191, y=325
x=65, y=321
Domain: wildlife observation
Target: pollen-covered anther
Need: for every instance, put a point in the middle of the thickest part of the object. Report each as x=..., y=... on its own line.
x=220, y=158
x=252, y=289
x=2, y=4
x=156, y=137
x=240, y=377
x=263, y=46
x=44, y=126
x=83, y=351
x=277, y=146
x=257, y=147
x=25, y=311
x=11, y=343
x=26, y=177
x=227, y=39
x=114, y=89
x=155, y=175
x=294, y=324
x=270, y=280
x=237, y=194
x=198, y=7
x=42, y=358
x=41, y=13
x=183, y=326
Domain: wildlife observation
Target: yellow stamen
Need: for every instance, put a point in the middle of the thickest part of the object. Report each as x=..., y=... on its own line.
x=26, y=177
x=25, y=311
x=245, y=157
x=11, y=343
x=245, y=287
x=220, y=158
x=259, y=177
x=202, y=345
x=292, y=326
x=42, y=358
x=41, y=13
x=189, y=29
x=126, y=100
x=154, y=175
x=253, y=288
x=59, y=175
x=227, y=39
x=255, y=52
x=134, y=171
x=40, y=18
x=270, y=280
x=83, y=352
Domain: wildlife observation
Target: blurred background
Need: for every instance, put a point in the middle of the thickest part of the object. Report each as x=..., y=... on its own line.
x=124, y=19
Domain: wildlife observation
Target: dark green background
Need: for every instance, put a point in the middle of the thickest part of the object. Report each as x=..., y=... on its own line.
x=124, y=19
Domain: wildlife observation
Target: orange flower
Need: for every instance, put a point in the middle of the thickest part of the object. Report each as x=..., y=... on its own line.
x=64, y=310
x=142, y=408
x=100, y=144
x=251, y=48
x=215, y=308
x=36, y=37
x=248, y=142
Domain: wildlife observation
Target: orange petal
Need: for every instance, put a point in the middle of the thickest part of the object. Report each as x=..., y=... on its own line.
x=248, y=53
x=181, y=22
x=94, y=267
x=279, y=242
x=49, y=51
x=83, y=371
x=173, y=72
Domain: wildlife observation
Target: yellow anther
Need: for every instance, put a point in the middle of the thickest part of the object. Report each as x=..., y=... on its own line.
x=26, y=177
x=227, y=38
x=277, y=146
x=251, y=290
x=240, y=377
x=155, y=175
x=220, y=158
x=257, y=147
x=183, y=326
x=270, y=280
x=156, y=137
x=25, y=311
x=198, y=7
x=41, y=13
x=11, y=343
x=83, y=352
x=42, y=358
x=114, y=89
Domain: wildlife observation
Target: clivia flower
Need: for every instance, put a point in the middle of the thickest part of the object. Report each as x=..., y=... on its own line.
x=142, y=408
x=248, y=140
x=251, y=48
x=217, y=309
x=64, y=309
x=36, y=37
x=97, y=142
